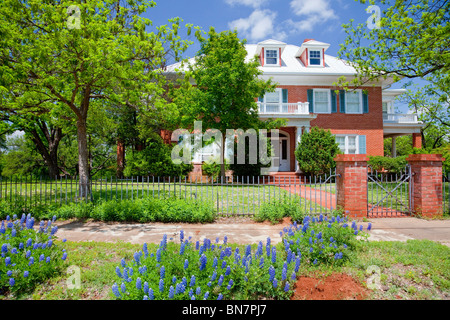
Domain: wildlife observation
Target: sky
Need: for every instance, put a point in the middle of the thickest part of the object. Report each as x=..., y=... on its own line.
x=290, y=21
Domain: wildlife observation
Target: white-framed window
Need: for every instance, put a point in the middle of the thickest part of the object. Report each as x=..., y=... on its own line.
x=272, y=101
x=322, y=100
x=350, y=144
x=271, y=57
x=315, y=57
x=353, y=101
x=387, y=107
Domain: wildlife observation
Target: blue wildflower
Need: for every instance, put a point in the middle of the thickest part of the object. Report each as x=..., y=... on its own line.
x=4, y=248
x=7, y=261
x=123, y=263
x=203, y=261
x=119, y=274
x=220, y=281
x=220, y=296
x=146, y=287
x=271, y=273
x=228, y=271
x=181, y=235
x=186, y=264
x=274, y=254
x=369, y=226
x=225, y=239
x=286, y=287
x=64, y=256
x=115, y=290
x=192, y=282
x=123, y=288
x=171, y=292
x=137, y=257
x=230, y=284
x=31, y=261
x=275, y=283
x=162, y=272
x=151, y=295
x=138, y=283
x=161, y=285
x=206, y=295
x=215, y=262
x=198, y=291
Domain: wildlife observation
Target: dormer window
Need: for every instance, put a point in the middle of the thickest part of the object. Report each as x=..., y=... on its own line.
x=315, y=58
x=271, y=56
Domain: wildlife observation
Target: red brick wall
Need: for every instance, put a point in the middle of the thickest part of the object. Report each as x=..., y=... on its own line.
x=368, y=124
x=417, y=140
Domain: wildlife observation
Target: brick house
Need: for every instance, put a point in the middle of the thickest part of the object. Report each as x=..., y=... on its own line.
x=360, y=119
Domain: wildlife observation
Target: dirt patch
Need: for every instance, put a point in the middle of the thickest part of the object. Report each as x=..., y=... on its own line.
x=337, y=286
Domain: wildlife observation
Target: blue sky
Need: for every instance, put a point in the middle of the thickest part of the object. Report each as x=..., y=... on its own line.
x=290, y=21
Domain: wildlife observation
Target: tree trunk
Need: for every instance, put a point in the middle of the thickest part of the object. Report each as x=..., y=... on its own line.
x=83, y=158
x=120, y=158
x=49, y=150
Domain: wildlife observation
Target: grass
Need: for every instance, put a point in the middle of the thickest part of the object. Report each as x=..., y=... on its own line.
x=416, y=269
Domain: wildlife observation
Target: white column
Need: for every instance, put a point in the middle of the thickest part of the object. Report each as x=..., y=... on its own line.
x=298, y=138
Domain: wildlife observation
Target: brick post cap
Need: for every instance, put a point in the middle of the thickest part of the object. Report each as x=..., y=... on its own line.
x=351, y=157
x=425, y=157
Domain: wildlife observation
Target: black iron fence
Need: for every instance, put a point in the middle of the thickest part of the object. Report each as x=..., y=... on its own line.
x=230, y=195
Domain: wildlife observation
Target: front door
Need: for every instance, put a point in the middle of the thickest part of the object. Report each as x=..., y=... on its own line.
x=284, y=154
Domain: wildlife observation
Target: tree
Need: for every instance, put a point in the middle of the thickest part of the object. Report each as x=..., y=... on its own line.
x=226, y=86
x=411, y=42
x=316, y=151
x=68, y=59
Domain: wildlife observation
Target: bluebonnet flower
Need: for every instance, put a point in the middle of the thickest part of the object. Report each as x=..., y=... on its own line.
x=182, y=248
x=197, y=244
x=54, y=230
x=162, y=272
x=203, y=261
x=345, y=246
x=274, y=254
x=138, y=283
x=123, y=263
x=353, y=225
x=186, y=264
x=297, y=263
x=28, y=254
x=220, y=281
x=158, y=255
x=7, y=261
x=284, y=273
x=286, y=287
x=215, y=262
x=360, y=228
x=261, y=262
x=31, y=261
x=230, y=284
x=64, y=256
x=369, y=226
x=271, y=273
x=13, y=232
x=356, y=232
x=293, y=276
x=145, y=297
x=181, y=235
x=228, y=271
x=192, y=282
x=184, y=282
x=259, y=249
x=4, y=248
x=224, y=264
x=209, y=284
x=9, y=273
x=329, y=225
x=115, y=290
x=275, y=283
x=214, y=276
x=151, y=295
x=163, y=243
x=145, y=249
x=311, y=250
x=161, y=285
x=137, y=257
x=119, y=274
x=174, y=279
x=331, y=239
x=123, y=288
x=225, y=239
x=171, y=292
x=198, y=291
x=206, y=295
x=315, y=261
x=220, y=296
x=146, y=287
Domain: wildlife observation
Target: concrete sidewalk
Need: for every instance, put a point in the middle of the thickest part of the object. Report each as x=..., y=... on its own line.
x=242, y=230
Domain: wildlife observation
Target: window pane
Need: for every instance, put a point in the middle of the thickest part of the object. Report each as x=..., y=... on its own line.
x=284, y=149
x=314, y=57
x=341, y=141
x=351, y=145
x=273, y=97
x=321, y=101
x=271, y=56
x=385, y=107
x=353, y=102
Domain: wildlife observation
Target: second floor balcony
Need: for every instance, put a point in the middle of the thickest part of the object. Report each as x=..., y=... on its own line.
x=299, y=108
x=400, y=118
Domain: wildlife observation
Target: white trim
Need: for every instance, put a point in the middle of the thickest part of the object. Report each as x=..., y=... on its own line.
x=360, y=102
x=320, y=65
x=328, y=91
x=277, y=63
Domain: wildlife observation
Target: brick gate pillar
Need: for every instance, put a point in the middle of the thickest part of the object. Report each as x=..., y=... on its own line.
x=427, y=183
x=351, y=184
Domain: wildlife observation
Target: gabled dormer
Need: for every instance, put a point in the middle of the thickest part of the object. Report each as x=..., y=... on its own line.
x=269, y=52
x=312, y=53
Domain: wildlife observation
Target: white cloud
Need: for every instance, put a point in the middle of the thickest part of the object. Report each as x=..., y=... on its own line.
x=250, y=3
x=259, y=25
x=320, y=9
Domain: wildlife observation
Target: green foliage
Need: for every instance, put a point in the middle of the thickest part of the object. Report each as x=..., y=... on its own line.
x=391, y=165
x=324, y=240
x=316, y=151
x=275, y=210
x=211, y=168
x=29, y=256
x=154, y=160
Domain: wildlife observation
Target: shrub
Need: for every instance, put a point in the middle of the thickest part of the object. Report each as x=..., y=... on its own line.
x=212, y=168
x=391, y=165
x=316, y=151
x=328, y=240
x=29, y=256
x=275, y=210
x=154, y=160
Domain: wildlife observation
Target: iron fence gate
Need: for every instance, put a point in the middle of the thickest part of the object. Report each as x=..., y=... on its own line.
x=389, y=194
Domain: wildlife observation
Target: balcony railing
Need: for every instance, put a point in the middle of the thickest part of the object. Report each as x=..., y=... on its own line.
x=400, y=118
x=284, y=108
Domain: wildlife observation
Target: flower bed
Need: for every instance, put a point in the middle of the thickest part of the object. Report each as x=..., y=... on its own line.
x=29, y=256
x=217, y=270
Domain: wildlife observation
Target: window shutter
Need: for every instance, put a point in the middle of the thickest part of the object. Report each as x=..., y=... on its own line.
x=310, y=100
x=362, y=144
x=285, y=95
x=365, y=98
x=342, y=101
x=261, y=99
x=333, y=102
